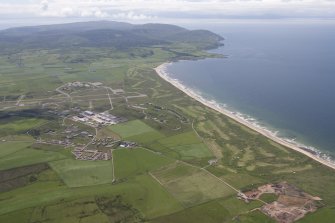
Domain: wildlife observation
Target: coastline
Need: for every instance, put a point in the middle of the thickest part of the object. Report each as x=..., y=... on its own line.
x=161, y=71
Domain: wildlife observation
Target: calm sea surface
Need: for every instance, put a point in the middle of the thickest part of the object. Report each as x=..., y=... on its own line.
x=283, y=75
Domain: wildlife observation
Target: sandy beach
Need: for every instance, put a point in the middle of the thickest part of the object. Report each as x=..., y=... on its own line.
x=161, y=71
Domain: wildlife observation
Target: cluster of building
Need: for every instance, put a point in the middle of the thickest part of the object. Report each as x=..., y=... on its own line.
x=212, y=161
x=98, y=119
x=106, y=142
x=126, y=144
x=89, y=154
x=73, y=131
x=110, y=142
x=84, y=153
x=65, y=142
x=64, y=138
x=78, y=84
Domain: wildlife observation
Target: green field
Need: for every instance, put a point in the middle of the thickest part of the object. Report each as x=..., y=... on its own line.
x=81, y=210
x=325, y=215
x=13, y=126
x=255, y=217
x=268, y=198
x=77, y=173
x=147, y=195
x=186, y=138
x=142, y=192
x=131, y=128
x=191, y=185
x=192, y=151
x=146, y=138
x=7, y=148
x=137, y=161
x=241, y=180
x=217, y=211
x=211, y=212
x=26, y=157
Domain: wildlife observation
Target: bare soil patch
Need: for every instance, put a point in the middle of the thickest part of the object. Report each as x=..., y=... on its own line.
x=292, y=203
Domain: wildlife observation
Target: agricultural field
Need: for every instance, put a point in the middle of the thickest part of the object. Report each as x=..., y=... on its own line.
x=77, y=173
x=7, y=148
x=186, y=162
x=191, y=185
x=221, y=210
x=130, y=163
x=28, y=156
x=132, y=128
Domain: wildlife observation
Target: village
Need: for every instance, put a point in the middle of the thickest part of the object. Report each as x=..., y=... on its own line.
x=84, y=143
x=79, y=133
x=104, y=153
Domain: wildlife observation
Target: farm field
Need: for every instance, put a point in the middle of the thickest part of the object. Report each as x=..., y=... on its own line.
x=77, y=173
x=191, y=185
x=28, y=156
x=7, y=148
x=216, y=211
x=130, y=163
x=131, y=128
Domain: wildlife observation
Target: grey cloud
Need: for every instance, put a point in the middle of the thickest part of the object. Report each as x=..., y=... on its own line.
x=44, y=5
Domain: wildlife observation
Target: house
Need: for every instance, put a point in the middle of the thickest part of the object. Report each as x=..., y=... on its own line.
x=89, y=113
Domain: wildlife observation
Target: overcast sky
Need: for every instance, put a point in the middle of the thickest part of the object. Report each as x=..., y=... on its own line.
x=163, y=10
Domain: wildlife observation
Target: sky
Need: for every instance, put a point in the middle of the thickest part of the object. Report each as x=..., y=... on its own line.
x=39, y=11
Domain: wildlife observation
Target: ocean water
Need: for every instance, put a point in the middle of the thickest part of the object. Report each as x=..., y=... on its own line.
x=281, y=74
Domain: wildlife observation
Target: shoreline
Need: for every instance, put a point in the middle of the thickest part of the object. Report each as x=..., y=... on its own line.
x=161, y=71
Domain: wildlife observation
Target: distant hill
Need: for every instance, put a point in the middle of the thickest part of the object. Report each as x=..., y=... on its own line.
x=103, y=34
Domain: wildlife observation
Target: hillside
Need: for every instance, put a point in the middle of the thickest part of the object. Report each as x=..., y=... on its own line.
x=103, y=34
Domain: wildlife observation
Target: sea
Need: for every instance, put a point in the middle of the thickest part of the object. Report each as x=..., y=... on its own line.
x=278, y=75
